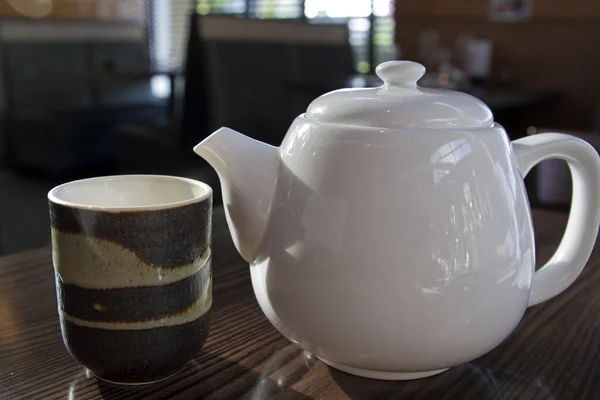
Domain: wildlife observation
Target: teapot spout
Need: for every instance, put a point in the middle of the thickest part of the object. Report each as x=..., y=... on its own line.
x=247, y=170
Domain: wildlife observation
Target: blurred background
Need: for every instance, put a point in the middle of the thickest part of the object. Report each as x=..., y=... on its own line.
x=97, y=87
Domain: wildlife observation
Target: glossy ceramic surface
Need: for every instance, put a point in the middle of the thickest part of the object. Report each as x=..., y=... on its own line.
x=400, y=103
x=396, y=253
x=420, y=262
x=132, y=264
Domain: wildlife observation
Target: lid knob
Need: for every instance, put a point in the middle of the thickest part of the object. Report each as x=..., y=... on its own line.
x=400, y=73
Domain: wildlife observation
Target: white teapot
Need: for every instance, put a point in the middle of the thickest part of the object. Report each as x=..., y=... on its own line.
x=390, y=234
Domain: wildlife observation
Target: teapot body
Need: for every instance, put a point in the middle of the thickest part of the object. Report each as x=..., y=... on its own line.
x=390, y=234
x=396, y=251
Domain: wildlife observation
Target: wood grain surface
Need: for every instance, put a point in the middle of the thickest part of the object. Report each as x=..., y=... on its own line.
x=553, y=354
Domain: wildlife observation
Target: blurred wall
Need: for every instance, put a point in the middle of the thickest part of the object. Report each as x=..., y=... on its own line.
x=126, y=10
x=558, y=48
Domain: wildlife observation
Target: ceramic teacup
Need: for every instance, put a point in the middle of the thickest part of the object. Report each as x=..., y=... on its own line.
x=132, y=257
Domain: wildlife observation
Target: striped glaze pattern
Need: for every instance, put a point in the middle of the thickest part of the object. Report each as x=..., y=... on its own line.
x=553, y=354
x=134, y=289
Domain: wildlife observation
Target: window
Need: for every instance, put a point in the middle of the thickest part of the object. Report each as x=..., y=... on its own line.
x=168, y=30
x=370, y=24
x=253, y=8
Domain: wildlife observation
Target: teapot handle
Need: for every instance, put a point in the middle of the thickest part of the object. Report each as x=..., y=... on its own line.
x=581, y=232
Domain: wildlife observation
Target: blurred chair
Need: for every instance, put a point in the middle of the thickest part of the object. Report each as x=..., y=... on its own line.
x=252, y=75
x=257, y=75
x=45, y=85
x=154, y=145
x=119, y=72
x=61, y=97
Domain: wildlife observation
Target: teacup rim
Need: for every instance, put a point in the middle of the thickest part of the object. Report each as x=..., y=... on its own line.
x=208, y=191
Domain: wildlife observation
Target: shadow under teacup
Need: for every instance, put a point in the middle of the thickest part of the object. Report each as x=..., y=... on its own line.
x=132, y=257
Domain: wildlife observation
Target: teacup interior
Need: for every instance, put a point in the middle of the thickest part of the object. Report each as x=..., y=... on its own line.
x=130, y=191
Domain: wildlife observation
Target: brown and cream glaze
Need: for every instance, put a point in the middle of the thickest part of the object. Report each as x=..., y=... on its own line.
x=134, y=288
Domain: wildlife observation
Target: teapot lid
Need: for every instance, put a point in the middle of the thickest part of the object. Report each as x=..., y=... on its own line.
x=401, y=103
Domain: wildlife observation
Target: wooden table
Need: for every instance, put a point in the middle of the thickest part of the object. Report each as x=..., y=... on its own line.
x=554, y=353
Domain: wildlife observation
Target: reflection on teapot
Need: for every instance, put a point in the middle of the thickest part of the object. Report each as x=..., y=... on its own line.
x=390, y=234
